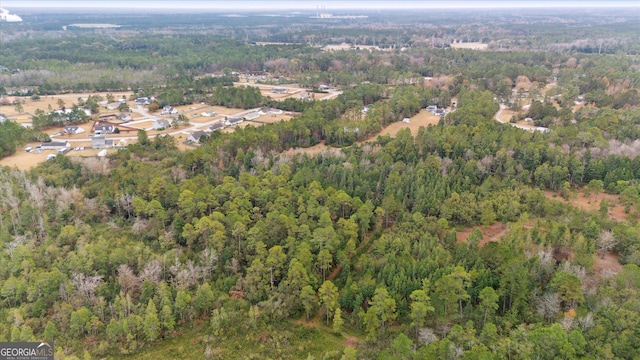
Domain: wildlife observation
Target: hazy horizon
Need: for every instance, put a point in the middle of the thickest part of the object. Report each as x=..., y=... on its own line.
x=246, y=5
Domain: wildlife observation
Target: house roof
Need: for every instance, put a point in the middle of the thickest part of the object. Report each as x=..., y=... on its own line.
x=101, y=140
x=55, y=144
x=234, y=120
x=198, y=134
x=216, y=126
x=163, y=123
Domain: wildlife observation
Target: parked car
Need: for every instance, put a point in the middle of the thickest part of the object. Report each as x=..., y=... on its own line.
x=28, y=149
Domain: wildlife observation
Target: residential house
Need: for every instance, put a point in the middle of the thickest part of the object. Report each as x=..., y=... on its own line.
x=161, y=124
x=101, y=142
x=124, y=117
x=143, y=100
x=233, y=121
x=196, y=136
x=217, y=126
x=406, y=120
x=102, y=129
x=270, y=111
x=252, y=116
x=54, y=145
x=168, y=110
x=73, y=130
x=113, y=105
x=432, y=108
x=279, y=90
x=439, y=112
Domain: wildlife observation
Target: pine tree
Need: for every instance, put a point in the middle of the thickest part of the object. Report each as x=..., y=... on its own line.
x=337, y=320
x=151, y=322
x=166, y=316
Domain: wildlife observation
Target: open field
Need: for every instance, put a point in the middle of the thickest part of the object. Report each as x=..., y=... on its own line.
x=27, y=160
x=592, y=203
x=422, y=118
x=29, y=106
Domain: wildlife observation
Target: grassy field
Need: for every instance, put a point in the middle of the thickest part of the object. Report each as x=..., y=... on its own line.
x=288, y=340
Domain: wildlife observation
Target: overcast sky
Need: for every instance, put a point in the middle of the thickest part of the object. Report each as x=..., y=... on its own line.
x=297, y=4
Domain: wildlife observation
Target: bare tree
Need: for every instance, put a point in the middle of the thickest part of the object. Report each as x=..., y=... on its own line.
x=548, y=306
x=426, y=336
x=128, y=281
x=86, y=285
x=606, y=243
x=585, y=322
x=152, y=271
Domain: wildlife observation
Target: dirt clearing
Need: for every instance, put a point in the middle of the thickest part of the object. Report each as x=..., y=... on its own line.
x=490, y=233
x=592, y=203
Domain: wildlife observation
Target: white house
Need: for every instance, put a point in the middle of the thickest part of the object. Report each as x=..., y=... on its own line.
x=124, y=117
x=104, y=129
x=144, y=100
x=101, y=142
x=73, y=130
x=270, y=111
x=196, y=136
x=217, y=126
x=252, y=116
x=54, y=145
x=233, y=121
x=168, y=110
x=161, y=124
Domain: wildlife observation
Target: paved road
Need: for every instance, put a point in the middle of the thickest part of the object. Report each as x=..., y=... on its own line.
x=519, y=126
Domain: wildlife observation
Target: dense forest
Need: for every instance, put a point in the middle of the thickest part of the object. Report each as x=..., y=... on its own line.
x=241, y=248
